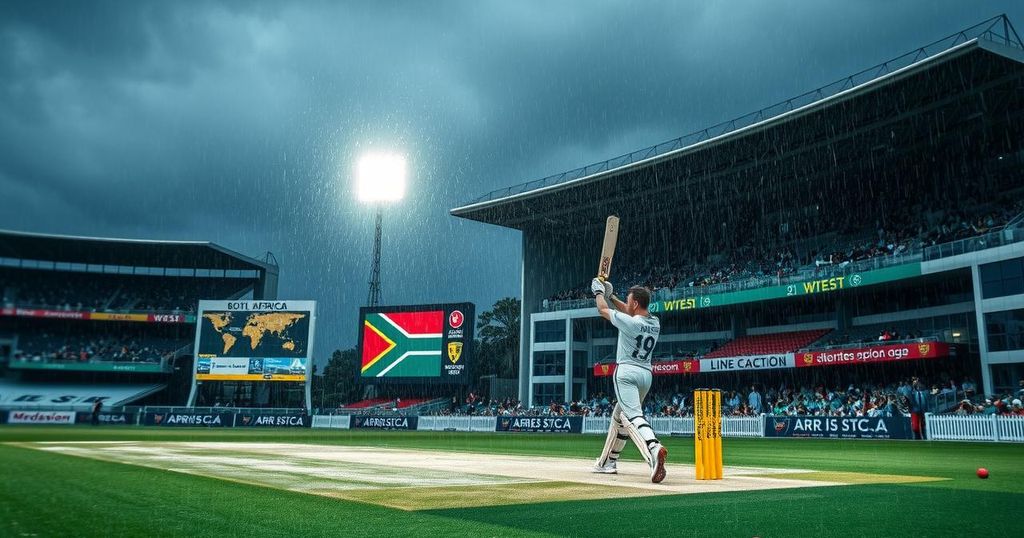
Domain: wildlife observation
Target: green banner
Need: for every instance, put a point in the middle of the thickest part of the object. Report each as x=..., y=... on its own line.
x=814, y=286
x=129, y=367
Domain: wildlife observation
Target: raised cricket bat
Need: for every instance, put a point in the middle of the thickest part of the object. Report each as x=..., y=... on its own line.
x=611, y=236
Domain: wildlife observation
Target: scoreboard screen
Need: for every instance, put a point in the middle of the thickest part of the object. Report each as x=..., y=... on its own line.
x=254, y=340
x=416, y=343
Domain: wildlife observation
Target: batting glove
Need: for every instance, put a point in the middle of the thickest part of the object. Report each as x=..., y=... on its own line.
x=597, y=287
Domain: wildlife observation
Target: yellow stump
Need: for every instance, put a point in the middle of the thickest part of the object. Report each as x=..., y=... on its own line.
x=707, y=429
x=698, y=432
x=718, y=435
x=709, y=435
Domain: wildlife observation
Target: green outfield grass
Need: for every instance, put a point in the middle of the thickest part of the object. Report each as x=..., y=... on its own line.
x=44, y=494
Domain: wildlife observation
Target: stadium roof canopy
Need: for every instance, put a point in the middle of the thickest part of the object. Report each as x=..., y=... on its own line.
x=968, y=78
x=125, y=252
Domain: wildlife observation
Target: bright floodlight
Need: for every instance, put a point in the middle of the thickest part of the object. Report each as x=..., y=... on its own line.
x=380, y=177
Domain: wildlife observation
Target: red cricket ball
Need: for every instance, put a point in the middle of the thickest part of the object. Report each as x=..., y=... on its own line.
x=982, y=473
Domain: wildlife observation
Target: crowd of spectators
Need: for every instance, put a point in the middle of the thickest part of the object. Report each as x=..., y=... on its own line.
x=94, y=348
x=475, y=404
x=870, y=401
x=1001, y=405
x=897, y=399
x=744, y=263
x=888, y=244
x=77, y=291
x=956, y=224
x=882, y=336
x=905, y=233
x=854, y=399
x=900, y=398
x=1007, y=403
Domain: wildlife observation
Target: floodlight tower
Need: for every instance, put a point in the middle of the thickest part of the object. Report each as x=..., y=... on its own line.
x=380, y=178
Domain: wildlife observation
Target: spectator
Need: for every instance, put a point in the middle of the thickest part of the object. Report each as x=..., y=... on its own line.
x=969, y=387
x=905, y=390
x=96, y=407
x=734, y=399
x=919, y=404
x=754, y=400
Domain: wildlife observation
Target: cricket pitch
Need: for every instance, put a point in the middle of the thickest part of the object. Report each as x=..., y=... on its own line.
x=428, y=479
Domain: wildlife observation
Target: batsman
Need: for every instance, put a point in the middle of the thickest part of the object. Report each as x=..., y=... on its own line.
x=638, y=334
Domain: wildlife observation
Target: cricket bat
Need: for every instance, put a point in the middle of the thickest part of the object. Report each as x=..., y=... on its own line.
x=611, y=236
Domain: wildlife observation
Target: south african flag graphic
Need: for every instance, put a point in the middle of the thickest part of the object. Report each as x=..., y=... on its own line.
x=402, y=344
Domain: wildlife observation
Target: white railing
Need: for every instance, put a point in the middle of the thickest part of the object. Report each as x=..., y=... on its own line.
x=731, y=426
x=596, y=424
x=338, y=422
x=1010, y=429
x=461, y=424
x=938, y=427
x=974, y=428
x=742, y=426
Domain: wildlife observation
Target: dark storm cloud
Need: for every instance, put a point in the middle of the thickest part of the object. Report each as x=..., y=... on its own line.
x=239, y=122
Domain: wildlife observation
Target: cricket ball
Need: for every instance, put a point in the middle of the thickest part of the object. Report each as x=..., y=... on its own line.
x=982, y=473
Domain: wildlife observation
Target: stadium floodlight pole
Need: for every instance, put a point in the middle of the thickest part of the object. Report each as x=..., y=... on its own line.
x=380, y=178
x=373, y=298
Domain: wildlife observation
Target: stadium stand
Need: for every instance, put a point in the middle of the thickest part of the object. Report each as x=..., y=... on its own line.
x=114, y=346
x=851, y=396
x=756, y=263
x=767, y=344
x=66, y=290
x=73, y=396
x=873, y=335
x=405, y=403
x=887, y=204
x=114, y=317
x=371, y=402
x=400, y=404
x=82, y=342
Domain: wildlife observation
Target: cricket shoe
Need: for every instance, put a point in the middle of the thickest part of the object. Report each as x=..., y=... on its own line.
x=608, y=468
x=658, y=455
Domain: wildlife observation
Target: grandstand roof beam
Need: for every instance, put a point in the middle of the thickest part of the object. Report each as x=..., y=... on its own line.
x=886, y=122
x=125, y=252
x=899, y=106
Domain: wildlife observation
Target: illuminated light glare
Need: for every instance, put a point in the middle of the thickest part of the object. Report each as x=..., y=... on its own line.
x=380, y=177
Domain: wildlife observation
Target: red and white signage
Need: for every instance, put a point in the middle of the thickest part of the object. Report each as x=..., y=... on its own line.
x=96, y=316
x=167, y=318
x=690, y=366
x=676, y=367
x=41, y=417
x=883, y=353
x=753, y=362
x=455, y=319
x=42, y=313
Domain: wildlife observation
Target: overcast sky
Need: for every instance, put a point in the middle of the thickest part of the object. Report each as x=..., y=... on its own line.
x=240, y=122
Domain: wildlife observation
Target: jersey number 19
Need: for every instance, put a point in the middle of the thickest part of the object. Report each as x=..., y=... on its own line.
x=647, y=344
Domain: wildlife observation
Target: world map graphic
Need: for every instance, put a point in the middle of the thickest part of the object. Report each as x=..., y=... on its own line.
x=253, y=334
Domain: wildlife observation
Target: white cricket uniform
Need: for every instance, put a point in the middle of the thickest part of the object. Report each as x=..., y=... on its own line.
x=638, y=335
